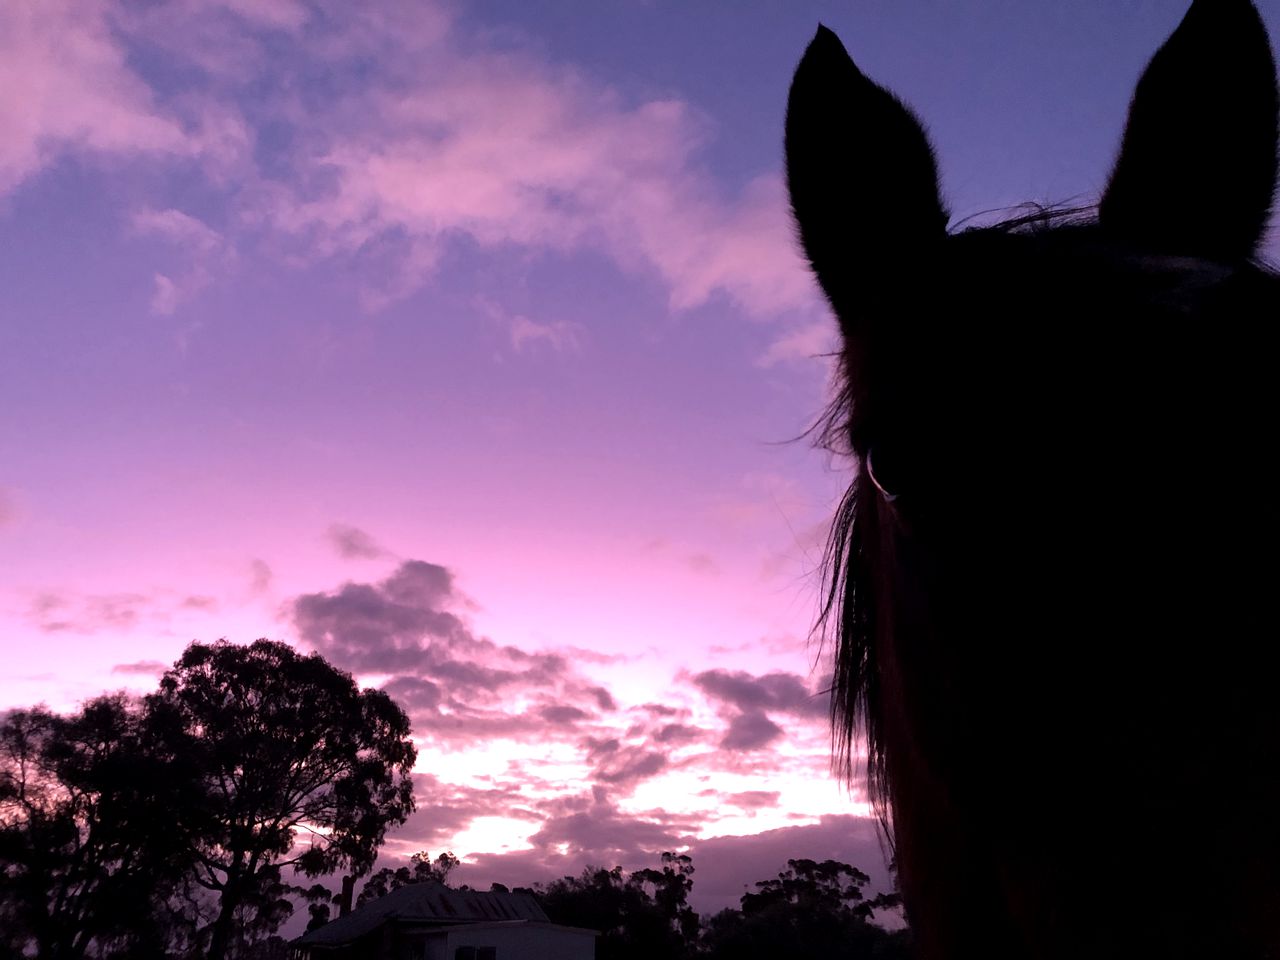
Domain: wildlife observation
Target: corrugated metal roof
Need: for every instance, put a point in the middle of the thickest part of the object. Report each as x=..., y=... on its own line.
x=427, y=902
x=506, y=924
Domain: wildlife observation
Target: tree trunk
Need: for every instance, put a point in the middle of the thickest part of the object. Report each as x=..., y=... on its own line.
x=221, y=935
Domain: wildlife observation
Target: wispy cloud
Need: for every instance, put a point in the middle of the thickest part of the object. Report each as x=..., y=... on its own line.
x=204, y=250
x=69, y=87
x=260, y=577
x=816, y=338
x=118, y=615
x=352, y=543
x=561, y=336
x=445, y=140
x=144, y=668
x=506, y=149
x=54, y=612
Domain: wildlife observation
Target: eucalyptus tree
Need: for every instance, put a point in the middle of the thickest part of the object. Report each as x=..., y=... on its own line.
x=299, y=768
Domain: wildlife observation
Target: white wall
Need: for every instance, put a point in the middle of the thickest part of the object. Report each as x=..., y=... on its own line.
x=525, y=943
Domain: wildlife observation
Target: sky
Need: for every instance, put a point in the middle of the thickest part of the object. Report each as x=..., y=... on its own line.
x=468, y=344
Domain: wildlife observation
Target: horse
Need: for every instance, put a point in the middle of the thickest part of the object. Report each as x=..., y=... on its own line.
x=1051, y=587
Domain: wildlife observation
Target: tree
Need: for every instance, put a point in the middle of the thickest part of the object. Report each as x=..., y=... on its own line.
x=809, y=911
x=286, y=745
x=671, y=887
x=421, y=870
x=89, y=834
x=634, y=924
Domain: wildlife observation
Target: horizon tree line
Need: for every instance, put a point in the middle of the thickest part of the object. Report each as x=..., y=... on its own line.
x=162, y=826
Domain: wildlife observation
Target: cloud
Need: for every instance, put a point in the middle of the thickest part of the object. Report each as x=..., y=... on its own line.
x=158, y=612
x=449, y=141
x=384, y=627
x=745, y=701
x=786, y=692
x=442, y=139
x=659, y=709
x=604, y=699
x=461, y=686
x=179, y=228
x=746, y=799
x=677, y=733
x=260, y=577
x=750, y=731
x=69, y=88
x=166, y=295
x=815, y=339
x=561, y=714
x=204, y=249
x=414, y=693
x=288, y=15
x=530, y=743
x=598, y=828
x=627, y=767
x=445, y=809
x=56, y=612
x=148, y=668
x=353, y=543
x=236, y=37
x=561, y=336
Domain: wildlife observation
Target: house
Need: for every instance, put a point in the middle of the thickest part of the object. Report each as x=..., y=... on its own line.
x=429, y=921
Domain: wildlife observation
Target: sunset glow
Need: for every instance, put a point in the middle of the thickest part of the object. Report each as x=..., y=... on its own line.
x=465, y=344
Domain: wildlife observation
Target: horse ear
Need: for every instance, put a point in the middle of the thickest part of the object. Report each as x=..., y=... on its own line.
x=1197, y=168
x=863, y=181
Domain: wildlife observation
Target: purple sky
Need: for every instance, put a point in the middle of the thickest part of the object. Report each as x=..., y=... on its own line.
x=459, y=343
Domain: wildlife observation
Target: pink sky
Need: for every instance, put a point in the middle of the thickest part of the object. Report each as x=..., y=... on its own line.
x=460, y=343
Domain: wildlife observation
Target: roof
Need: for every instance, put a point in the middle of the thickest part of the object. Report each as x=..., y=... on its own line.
x=431, y=902
x=522, y=924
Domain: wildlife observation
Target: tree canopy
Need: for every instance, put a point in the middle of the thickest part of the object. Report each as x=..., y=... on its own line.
x=163, y=825
x=299, y=766
x=641, y=914
x=421, y=869
x=811, y=911
x=89, y=825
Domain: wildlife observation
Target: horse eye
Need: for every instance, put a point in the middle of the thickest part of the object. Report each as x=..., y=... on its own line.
x=881, y=473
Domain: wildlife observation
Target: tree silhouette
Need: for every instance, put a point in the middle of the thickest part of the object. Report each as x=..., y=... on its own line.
x=90, y=836
x=634, y=924
x=299, y=768
x=671, y=887
x=809, y=911
x=421, y=870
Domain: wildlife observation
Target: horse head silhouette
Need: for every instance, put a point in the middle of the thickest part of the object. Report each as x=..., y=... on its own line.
x=1052, y=584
